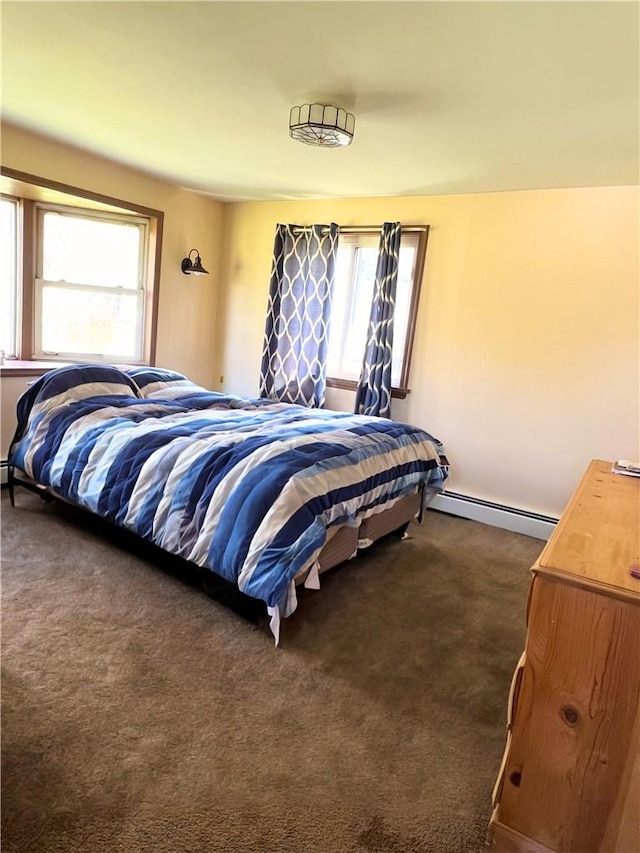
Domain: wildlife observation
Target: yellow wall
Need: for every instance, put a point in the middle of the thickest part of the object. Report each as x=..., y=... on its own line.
x=526, y=358
x=188, y=304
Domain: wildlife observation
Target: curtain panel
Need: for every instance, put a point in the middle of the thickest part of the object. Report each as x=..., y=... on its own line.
x=373, y=394
x=294, y=356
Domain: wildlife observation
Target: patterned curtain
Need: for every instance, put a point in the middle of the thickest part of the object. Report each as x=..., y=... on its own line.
x=294, y=355
x=373, y=395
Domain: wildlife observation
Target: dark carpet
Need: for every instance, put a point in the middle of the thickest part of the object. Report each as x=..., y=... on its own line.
x=141, y=715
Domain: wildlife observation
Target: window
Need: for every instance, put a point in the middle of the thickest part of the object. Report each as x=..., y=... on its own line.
x=8, y=275
x=353, y=291
x=79, y=274
x=89, y=287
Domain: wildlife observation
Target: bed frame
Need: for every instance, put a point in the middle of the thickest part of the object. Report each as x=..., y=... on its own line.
x=345, y=542
x=342, y=544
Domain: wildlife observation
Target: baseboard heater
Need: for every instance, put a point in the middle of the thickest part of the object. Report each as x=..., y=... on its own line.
x=497, y=515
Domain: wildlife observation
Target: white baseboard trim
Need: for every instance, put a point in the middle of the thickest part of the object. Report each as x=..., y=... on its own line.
x=497, y=515
x=516, y=520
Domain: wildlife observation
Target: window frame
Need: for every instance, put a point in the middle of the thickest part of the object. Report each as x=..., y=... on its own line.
x=41, y=283
x=402, y=390
x=34, y=193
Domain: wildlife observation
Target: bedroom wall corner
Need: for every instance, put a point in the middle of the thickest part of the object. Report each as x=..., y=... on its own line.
x=526, y=358
x=188, y=305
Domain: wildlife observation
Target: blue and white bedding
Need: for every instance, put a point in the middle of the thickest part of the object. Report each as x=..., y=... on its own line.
x=247, y=488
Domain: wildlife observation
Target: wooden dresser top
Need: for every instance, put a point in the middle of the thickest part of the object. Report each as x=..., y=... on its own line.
x=598, y=536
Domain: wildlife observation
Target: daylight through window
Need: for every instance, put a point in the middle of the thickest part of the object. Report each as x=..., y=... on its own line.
x=89, y=292
x=353, y=292
x=79, y=274
x=8, y=275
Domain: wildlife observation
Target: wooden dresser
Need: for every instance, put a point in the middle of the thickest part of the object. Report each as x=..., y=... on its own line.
x=570, y=777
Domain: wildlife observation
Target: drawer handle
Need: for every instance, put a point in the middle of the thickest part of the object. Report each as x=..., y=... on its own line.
x=515, y=777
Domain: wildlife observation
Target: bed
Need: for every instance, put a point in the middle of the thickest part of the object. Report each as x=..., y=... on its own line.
x=266, y=495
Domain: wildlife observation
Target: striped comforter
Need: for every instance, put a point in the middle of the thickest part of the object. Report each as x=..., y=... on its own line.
x=245, y=487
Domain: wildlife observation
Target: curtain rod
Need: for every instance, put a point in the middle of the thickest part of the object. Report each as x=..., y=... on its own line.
x=301, y=228
x=361, y=228
x=377, y=228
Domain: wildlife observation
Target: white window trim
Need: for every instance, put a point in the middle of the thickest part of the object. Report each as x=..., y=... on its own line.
x=30, y=190
x=40, y=284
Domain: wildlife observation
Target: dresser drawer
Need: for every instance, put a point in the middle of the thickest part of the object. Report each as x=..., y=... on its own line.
x=511, y=711
x=569, y=781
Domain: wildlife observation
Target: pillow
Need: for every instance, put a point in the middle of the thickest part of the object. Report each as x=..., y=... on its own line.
x=160, y=383
x=86, y=380
x=65, y=385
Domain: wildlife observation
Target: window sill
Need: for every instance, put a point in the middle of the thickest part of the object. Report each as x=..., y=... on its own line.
x=351, y=385
x=25, y=367
x=20, y=367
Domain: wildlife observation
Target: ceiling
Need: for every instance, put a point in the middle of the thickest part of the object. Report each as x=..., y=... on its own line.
x=449, y=97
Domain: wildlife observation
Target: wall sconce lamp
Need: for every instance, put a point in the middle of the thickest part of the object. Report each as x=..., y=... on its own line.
x=195, y=267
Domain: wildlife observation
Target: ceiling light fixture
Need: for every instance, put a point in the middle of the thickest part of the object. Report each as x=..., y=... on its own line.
x=320, y=124
x=190, y=267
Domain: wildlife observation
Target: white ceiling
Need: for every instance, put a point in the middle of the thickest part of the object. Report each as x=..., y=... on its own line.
x=449, y=97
